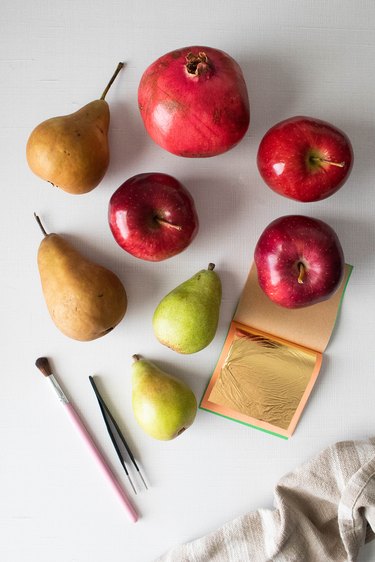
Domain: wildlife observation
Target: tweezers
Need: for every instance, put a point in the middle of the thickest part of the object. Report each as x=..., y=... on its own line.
x=108, y=417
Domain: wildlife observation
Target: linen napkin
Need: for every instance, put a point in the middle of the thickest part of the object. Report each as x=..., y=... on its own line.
x=324, y=511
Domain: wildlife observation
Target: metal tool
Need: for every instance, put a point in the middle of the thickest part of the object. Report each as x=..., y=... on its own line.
x=116, y=436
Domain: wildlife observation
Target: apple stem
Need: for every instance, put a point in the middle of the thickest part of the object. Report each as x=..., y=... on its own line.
x=136, y=357
x=119, y=67
x=40, y=225
x=169, y=224
x=211, y=266
x=302, y=270
x=324, y=161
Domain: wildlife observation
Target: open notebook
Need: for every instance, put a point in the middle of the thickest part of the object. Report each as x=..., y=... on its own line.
x=271, y=359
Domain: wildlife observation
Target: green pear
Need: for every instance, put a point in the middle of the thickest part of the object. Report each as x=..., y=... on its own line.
x=186, y=319
x=71, y=151
x=163, y=405
x=85, y=300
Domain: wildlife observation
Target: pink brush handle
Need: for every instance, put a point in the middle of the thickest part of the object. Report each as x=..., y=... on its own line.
x=101, y=461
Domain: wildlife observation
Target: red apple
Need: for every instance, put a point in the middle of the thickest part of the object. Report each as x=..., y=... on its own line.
x=305, y=159
x=299, y=261
x=152, y=216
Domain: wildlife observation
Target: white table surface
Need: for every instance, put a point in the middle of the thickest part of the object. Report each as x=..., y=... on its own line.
x=306, y=57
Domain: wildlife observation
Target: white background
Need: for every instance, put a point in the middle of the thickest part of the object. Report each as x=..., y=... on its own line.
x=307, y=57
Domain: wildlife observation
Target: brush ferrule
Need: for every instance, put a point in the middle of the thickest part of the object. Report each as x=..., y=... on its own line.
x=59, y=391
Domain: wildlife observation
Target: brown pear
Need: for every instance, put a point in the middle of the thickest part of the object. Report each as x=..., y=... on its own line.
x=72, y=152
x=84, y=299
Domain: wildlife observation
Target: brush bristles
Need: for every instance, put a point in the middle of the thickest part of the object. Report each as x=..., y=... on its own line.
x=43, y=365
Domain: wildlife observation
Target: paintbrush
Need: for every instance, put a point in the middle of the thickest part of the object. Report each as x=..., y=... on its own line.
x=44, y=367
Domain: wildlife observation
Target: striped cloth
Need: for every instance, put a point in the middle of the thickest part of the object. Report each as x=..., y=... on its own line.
x=324, y=511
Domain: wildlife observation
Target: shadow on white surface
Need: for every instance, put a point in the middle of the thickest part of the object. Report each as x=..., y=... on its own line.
x=128, y=140
x=272, y=89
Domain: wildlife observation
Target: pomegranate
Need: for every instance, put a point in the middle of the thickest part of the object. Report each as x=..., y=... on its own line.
x=194, y=102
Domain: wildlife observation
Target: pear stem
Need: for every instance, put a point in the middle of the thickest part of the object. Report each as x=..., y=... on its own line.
x=302, y=270
x=211, y=266
x=119, y=67
x=324, y=161
x=136, y=357
x=40, y=225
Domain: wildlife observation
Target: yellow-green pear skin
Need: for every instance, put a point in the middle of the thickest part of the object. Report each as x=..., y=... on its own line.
x=84, y=299
x=72, y=151
x=186, y=319
x=163, y=405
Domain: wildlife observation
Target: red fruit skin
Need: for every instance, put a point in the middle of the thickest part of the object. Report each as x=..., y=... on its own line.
x=136, y=207
x=285, y=243
x=194, y=115
x=284, y=152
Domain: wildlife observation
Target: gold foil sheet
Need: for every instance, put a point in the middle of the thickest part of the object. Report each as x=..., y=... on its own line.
x=263, y=378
